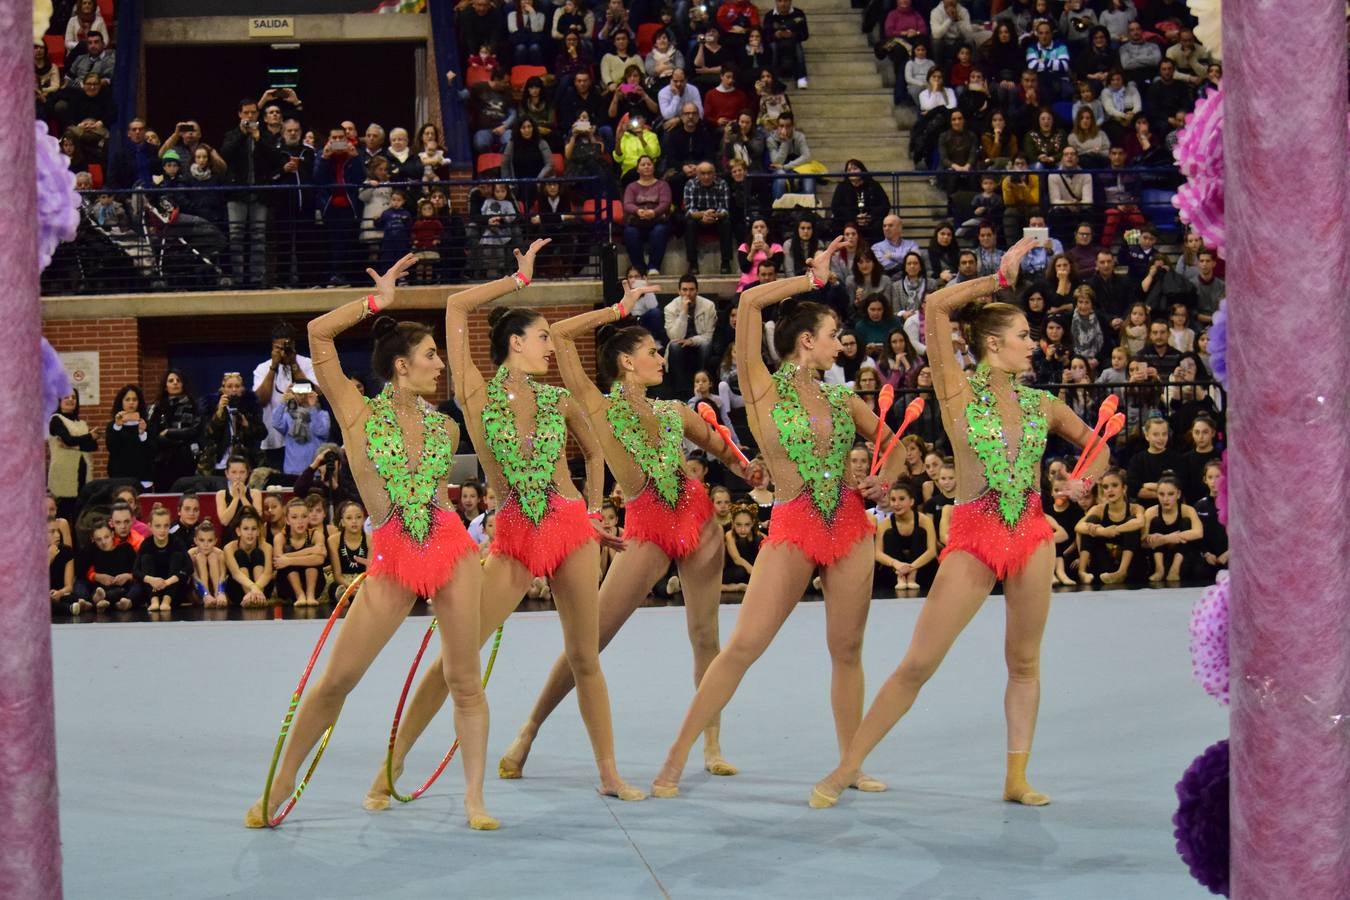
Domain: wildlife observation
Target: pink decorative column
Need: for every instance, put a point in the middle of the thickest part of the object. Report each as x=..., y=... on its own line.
x=1289, y=454
x=30, y=850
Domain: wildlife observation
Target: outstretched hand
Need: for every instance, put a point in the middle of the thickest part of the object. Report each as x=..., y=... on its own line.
x=632, y=294
x=1012, y=259
x=820, y=263
x=525, y=261
x=612, y=541
x=384, y=284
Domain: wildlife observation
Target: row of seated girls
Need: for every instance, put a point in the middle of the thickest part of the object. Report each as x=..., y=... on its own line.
x=262, y=550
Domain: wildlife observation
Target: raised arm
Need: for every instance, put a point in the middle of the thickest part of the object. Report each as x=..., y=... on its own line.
x=574, y=374
x=467, y=379
x=755, y=377
x=343, y=396
x=948, y=379
x=698, y=431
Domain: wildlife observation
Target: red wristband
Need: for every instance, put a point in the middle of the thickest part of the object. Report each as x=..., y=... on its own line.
x=1003, y=280
x=370, y=305
x=815, y=282
x=522, y=280
x=619, y=308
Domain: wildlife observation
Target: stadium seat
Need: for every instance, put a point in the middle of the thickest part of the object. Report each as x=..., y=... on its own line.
x=1156, y=204
x=522, y=74
x=1063, y=111
x=96, y=174
x=56, y=49
x=589, y=211
x=646, y=36
x=488, y=164
x=559, y=165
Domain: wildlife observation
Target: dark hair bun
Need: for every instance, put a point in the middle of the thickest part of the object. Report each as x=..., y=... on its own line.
x=496, y=314
x=383, y=327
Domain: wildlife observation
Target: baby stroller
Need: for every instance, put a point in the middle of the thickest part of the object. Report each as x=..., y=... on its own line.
x=184, y=247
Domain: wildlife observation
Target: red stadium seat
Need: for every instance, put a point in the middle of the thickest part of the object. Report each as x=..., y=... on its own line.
x=646, y=36
x=56, y=49
x=488, y=163
x=559, y=165
x=522, y=74
x=589, y=211
x=96, y=174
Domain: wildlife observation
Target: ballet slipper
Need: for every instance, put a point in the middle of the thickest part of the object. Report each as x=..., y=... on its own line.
x=716, y=765
x=512, y=764
x=509, y=769
x=124, y=604
x=380, y=794
x=868, y=785
x=103, y=604
x=624, y=792
x=254, y=818
x=821, y=800
x=665, y=791
x=100, y=598
x=481, y=821
x=154, y=606
x=1015, y=787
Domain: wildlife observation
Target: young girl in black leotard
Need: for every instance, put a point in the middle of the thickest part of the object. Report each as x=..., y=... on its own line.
x=944, y=489
x=248, y=559
x=298, y=555
x=348, y=550
x=1172, y=530
x=1067, y=514
x=743, y=542
x=1110, y=533
x=1214, y=545
x=906, y=540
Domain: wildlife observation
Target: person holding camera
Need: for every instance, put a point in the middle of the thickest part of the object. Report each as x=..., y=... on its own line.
x=234, y=426
x=303, y=424
x=272, y=380
x=328, y=474
x=250, y=160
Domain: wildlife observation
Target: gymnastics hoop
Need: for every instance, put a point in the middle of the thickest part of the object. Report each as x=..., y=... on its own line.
x=398, y=716
x=276, y=820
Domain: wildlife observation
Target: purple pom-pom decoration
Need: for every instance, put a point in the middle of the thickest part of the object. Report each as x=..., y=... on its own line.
x=55, y=378
x=58, y=203
x=1209, y=639
x=1221, y=492
x=1199, y=155
x=1201, y=820
x=1218, y=344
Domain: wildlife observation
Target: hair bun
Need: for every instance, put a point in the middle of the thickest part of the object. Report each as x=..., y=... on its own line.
x=496, y=315
x=383, y=327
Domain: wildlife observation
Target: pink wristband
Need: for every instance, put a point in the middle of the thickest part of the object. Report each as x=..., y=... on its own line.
x=815, y=282
x=1003, y=280
x=370, y=305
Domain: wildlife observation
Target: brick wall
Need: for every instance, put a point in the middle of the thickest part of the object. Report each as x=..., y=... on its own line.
x=133, y=351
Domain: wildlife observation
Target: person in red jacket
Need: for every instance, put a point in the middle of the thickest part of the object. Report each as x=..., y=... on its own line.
x=735, y=18
x=723, y=103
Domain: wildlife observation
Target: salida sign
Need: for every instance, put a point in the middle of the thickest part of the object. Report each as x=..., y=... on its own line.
x=271, y=26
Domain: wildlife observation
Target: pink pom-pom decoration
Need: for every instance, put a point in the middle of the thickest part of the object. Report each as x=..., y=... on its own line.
x=1209, y=639
x=1199, y=155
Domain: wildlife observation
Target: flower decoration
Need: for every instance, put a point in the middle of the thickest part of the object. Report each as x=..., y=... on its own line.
x=1201, y=820
x=1199, y=155
x=1209, y=639
x=55, y=378
x=58, y=203
x=1218, y=344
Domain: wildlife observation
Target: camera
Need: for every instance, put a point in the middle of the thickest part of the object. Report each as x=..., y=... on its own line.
x=184, y=128
x=301, y=387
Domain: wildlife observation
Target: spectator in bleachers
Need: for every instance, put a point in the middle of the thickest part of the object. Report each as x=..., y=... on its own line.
x=527, y=156
x=998, y=145
x=787, y=31
x=1044, y=145
x=584, y=97
x=250, y=161
x=1114, y=293
x=233, y=426
x=493, y=111
x=664, y=58
x=987, y=254
x=710, y=58
x=174, y=427
x=632, y=99
x=127, y=438
x=496, y=224
x=48, y=79
x=1137, y=256
x=1049, y=59
x=615, y=63
x=1003, y=61
x=97, y=59
x=1096, y=59
x=1120, y=192
x=138, y=163
x=985, y=206
x=757, y=248
x=859, y=199
x=186, y=137
x=527, y=31
x=1059, y=285
x=303, y=424
x=1037, y=261
x=958, y=153
x=537, y=105
x=1088, y=330
x=298, y=557
x=1089, y=140
x=1163, y=288
x=1086, y=98
x=743, y=140
x=635, y=141
x=1122, y=104
x=735, y=18
x=950, y=25
x=801, y=245
x=376, y=196
x=1210, y=289
x=1143, y=148
x=615, y=22
x=1133, y=331
x=1190, y=58
x=403, y=164
x=88, y=104
x=107, y=571
x=916, y=74
x=294, y=236
x=706, y=207
x=480, y=24
x=571, y=18
x=70, y=448
x=976, y=103
x=877, y=321
x=162, y=566
x=1070, y=192
x=723, y=103
x=1116, y=18
x=431, y=148
x=753, y=58
x=1083, y=253
x=272, y=380
x=1025, y=109
x=1182, y=335
x=1077, y=23
x=685, y=147
x=1169, y=100
x=573, y=59
x=749, y=199
x=958, y=73
x=85, y=17
x=943, y=255
x=1139, y=57
x=1158, y=353
x=584, y=152
x=395, y=229
x=690, y=320
x=338, y=175
x=647, y=208
x=773, y=101
x=866, y=278
x=1034, y=308
x=675, y=96
x=891, y=249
